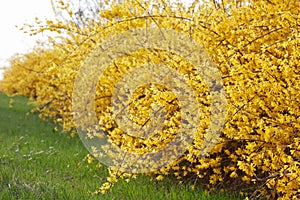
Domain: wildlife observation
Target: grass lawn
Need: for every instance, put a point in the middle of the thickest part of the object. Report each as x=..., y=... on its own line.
x=36, y=162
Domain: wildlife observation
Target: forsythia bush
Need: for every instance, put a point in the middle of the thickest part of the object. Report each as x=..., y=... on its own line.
x=254, y=44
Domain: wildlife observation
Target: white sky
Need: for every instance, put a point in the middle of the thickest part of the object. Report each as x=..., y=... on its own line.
x=18, y=12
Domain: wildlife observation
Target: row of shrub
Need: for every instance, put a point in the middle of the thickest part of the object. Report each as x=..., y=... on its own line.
x=254, y=44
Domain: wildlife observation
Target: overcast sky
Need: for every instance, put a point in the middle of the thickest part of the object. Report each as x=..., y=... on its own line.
x=18, y=12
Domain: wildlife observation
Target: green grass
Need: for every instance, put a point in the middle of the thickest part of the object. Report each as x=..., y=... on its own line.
x=37, y=162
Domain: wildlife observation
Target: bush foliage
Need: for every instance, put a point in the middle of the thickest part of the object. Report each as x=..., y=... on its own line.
x=254, y=44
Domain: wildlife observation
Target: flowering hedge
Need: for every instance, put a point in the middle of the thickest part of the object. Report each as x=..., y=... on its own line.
x=255, y=46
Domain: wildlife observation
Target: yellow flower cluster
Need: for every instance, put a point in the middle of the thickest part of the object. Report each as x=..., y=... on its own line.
x=255, y=46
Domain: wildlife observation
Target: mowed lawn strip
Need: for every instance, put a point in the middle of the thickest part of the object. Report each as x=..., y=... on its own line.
x=37, y=162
